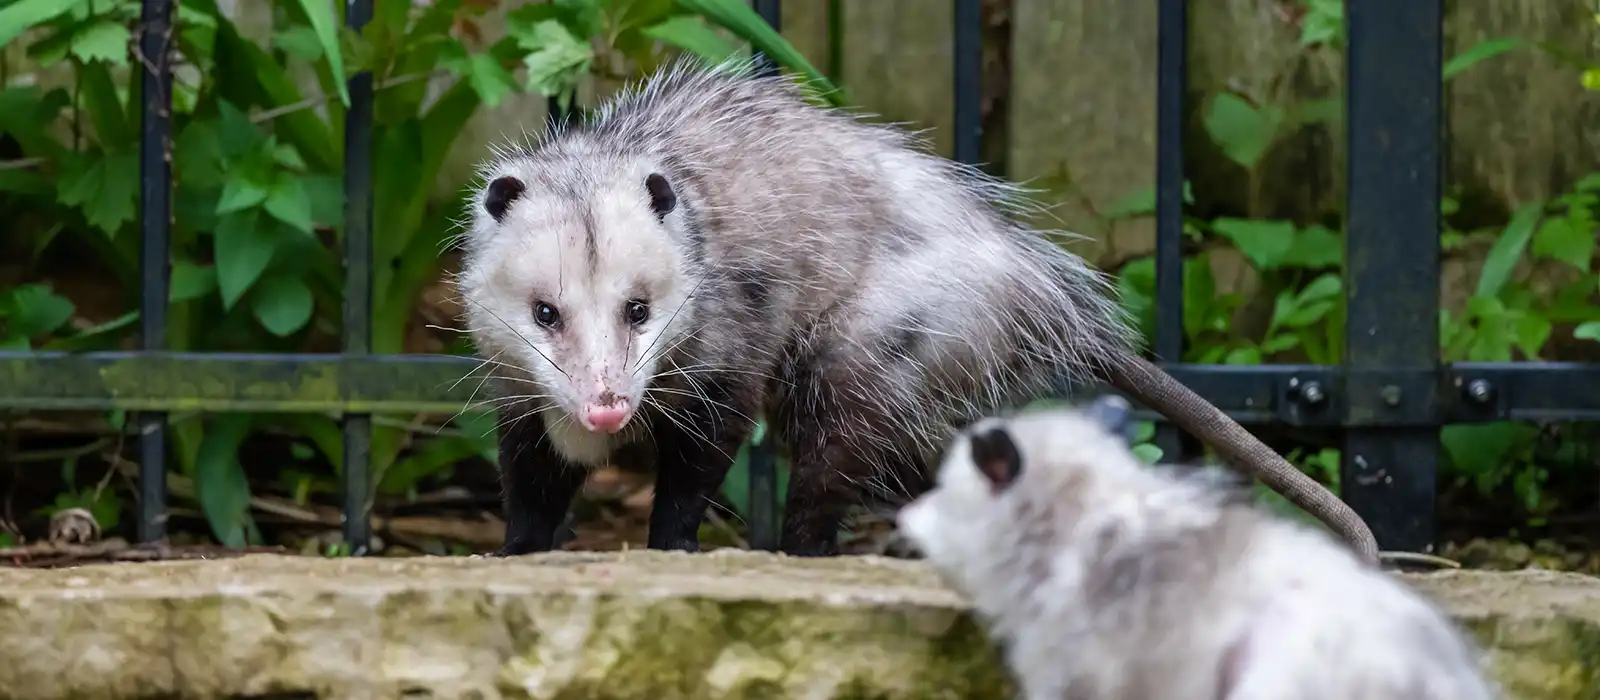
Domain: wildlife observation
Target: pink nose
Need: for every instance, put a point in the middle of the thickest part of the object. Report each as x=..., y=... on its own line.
x=607, y=418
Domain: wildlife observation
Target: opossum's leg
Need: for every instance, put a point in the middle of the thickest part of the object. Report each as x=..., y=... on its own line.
x=817, y=421
x=537, y=485
x=695, y=450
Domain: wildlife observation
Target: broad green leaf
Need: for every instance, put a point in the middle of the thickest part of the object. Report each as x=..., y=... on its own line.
x=492, y=81
x=1326, y=287
x=738, y=17
x=555, y=59
x=36, y=310
x=434, y=458
x=1532, y=331
x=1200, y=303
x=1314, y=247
x=99, y=96
x=14, y=342
x=1265, y=243
x=320, y=14
x=104, y=186
x=23, y=15
x=1478, y=53
x=105, y=40
x=1559, y=239
x=1147, y=452
x=299, y=42
x=289, y=202
x=285, y=155
x=220, y=482
x=1587, y=331
x=282, y=304
x=1507, y=250
x=1482, y=449
x=241, y=192
x=1242, y=131
x=197, y=156
x=1587, y=183
x=236, y=134
x=1243, y=356
x=243, y=244
x=691, y=34
x=190, y=281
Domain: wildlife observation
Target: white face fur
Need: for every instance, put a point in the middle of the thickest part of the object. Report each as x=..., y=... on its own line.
x=573, y=275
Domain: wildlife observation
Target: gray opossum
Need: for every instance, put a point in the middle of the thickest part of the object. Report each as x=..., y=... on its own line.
x=712, y=245
x=1110, y=580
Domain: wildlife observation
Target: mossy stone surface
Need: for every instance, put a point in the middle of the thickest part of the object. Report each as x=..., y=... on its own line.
x=579, y=626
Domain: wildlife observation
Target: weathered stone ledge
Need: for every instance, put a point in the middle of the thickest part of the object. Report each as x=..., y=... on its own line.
x=615, y=625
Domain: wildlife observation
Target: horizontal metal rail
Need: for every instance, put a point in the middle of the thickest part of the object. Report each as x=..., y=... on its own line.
x=1310, y=395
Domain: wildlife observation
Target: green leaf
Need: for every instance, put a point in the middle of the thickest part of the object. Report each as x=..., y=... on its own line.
x=1560, y=239
x=236, y=134
x=190, y=281
x=1587, y=331
x=104, y=186
x=1242, y=131
x=241, y=192
x=691, y=34
x=556, y=58
x=1243, y=356
x=36, y=311
x=1147, y=453
x=105, y=40
x=23, y=15
x=299, y=42
x=220, y=482
x=282, y=304
x=1265, y=243
x=1531, y=332
x=1508, y=249
x=1314, y=247
x=1485, y=451
x=98, y=92
x=197, y=156
x=243, y=245
x=1478, y=53
x=320, y=14
x=484, y=72
x=434, y=458
x=289, y=202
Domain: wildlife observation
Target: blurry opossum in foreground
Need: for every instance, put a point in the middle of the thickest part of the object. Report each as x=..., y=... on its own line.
x=1109, y=579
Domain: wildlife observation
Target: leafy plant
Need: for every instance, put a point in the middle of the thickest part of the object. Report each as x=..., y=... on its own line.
x=258, y=180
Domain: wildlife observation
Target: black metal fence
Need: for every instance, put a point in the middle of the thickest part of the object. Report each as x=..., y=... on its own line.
x=1390, y=395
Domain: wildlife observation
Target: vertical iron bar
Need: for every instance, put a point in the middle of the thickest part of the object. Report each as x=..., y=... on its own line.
x=1394, y=108
x=762, y=520
x=968, y=27
x=1172, y=82
x=155, y=207
x=358, y=287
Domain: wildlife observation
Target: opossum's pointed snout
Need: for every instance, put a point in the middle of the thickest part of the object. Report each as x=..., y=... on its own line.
x=606, y=414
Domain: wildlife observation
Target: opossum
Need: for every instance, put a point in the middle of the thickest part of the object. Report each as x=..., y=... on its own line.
x=1105, y=579
x=712, y=246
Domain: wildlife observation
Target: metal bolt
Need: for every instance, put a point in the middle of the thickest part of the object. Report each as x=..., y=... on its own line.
x=1391, y=395
x=1312, y=393
x=1480, y=391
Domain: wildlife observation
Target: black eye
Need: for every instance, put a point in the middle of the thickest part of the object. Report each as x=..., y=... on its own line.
x=636, y=311
x=546, y=315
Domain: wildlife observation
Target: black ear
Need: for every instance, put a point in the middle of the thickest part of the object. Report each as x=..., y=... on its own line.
x=1111, y=412
x=996, y=455
x=502, y=193
x=662, y=199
